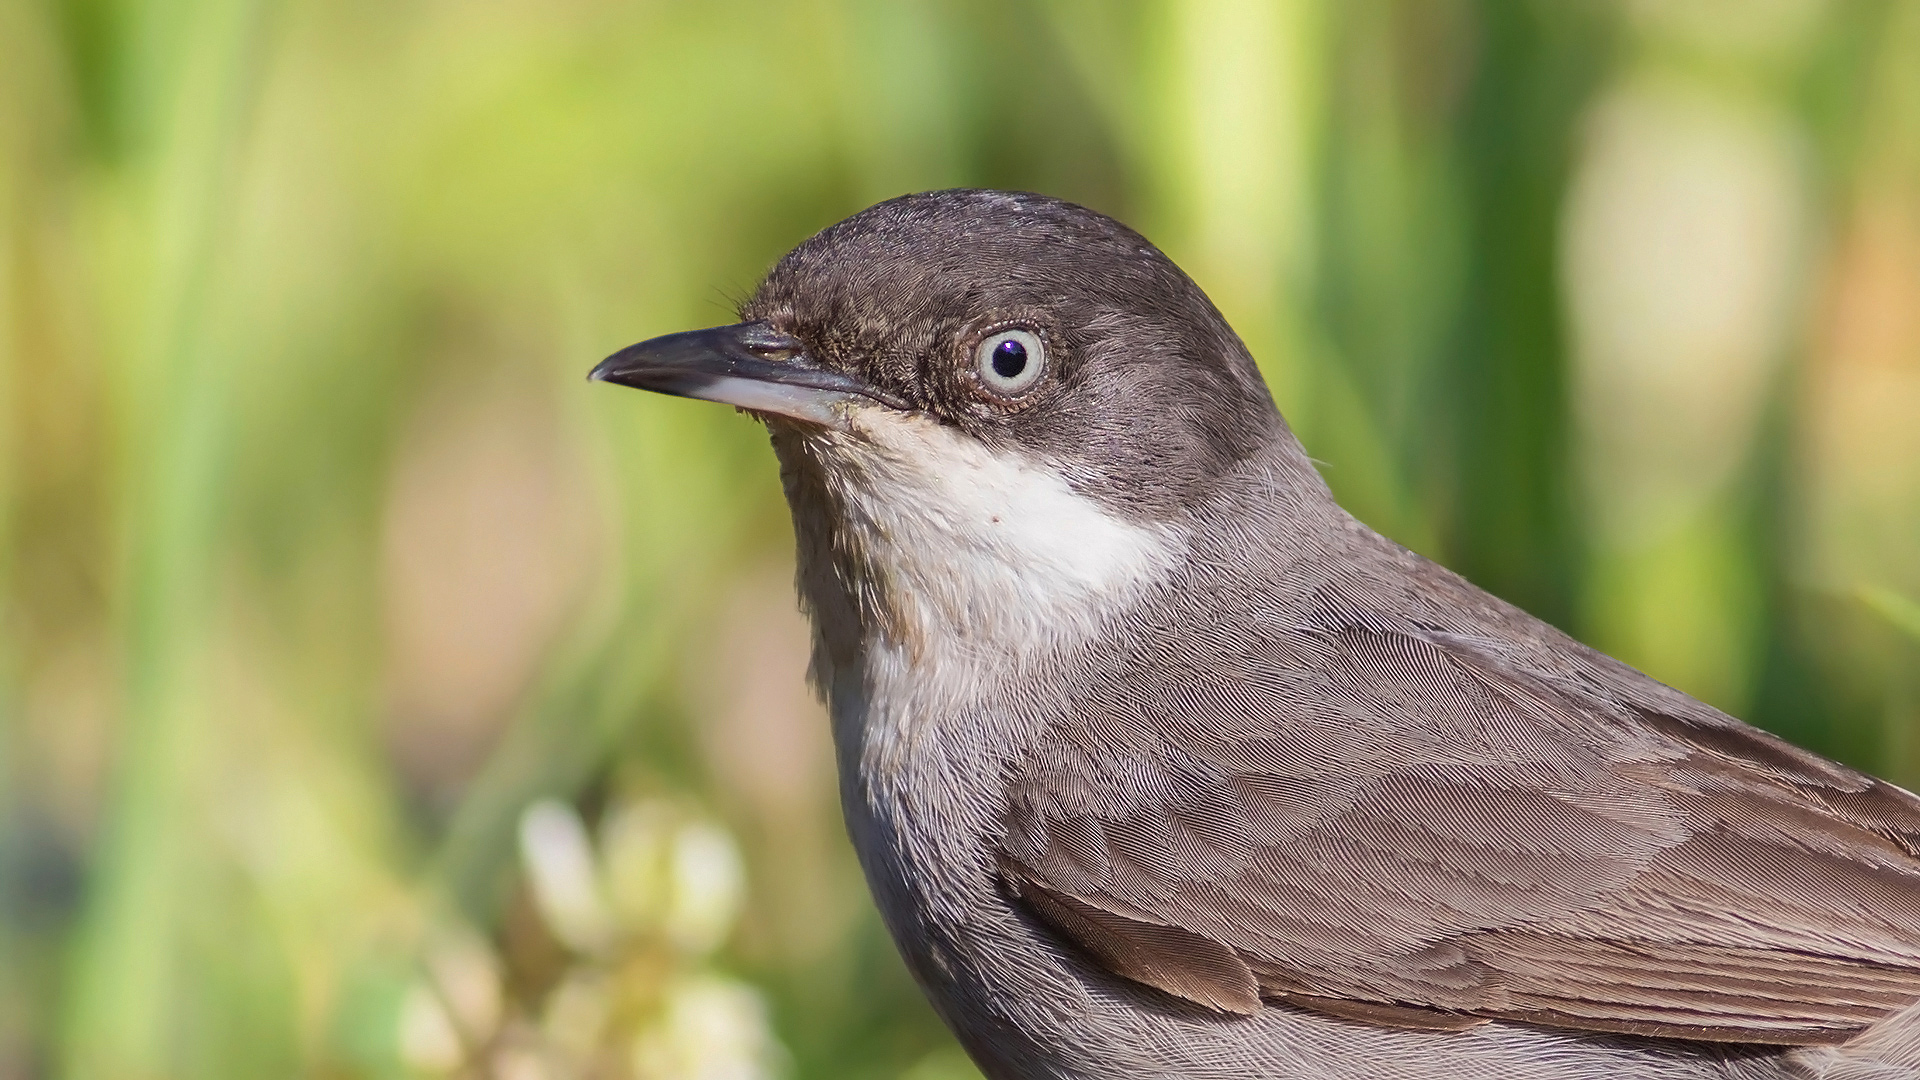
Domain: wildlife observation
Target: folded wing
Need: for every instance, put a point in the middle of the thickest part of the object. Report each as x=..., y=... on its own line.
x=1386, y=823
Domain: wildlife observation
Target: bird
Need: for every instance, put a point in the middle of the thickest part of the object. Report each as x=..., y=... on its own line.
x=1159, y=763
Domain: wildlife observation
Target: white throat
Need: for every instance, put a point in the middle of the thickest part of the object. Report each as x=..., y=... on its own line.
x=957, y=565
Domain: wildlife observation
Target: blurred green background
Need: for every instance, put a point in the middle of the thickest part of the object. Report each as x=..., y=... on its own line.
x=379, y=699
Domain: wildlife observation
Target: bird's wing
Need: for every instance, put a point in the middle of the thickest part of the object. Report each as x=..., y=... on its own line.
x=1391, y=824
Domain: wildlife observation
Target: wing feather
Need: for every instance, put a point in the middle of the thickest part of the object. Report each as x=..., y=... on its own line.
x=1397, y=825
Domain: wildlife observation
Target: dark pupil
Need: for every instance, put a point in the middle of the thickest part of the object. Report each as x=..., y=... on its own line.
x=1009, y=359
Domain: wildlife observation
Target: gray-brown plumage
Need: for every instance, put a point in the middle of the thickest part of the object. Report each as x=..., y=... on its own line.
x=1161, y=764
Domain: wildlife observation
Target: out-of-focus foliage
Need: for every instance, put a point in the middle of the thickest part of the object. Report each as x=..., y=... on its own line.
x=379, y=699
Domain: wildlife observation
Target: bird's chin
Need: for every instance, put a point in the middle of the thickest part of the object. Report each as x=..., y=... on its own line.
x=840, y=432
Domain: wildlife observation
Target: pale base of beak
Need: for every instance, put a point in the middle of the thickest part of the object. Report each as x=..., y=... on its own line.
x=827, y=408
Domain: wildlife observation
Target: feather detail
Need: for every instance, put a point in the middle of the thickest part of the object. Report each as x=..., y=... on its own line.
x=1372, y=819
x=1168, y=958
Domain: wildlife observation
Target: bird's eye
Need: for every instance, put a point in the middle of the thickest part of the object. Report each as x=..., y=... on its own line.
x=1010, y=361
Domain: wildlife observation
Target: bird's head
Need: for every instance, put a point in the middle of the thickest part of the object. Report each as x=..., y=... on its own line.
x=1021, y=397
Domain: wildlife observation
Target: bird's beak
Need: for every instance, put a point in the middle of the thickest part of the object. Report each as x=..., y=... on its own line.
x=750, y=365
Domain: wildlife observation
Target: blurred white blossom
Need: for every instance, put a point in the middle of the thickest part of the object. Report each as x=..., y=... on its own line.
x=639, y=913
x=457, y=1002
x=560, y=868
x=672, y=873
x=633, y=840
x=428, y=1041
x=466, y=975
x=520, y=1060
x=708, y=885
x=711, y=1029
x=577, y=1012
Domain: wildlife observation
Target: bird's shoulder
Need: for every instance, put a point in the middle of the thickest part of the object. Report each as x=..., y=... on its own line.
x=1393, y=798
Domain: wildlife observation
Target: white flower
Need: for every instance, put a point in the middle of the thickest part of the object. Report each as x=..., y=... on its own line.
x=560, y=865
x=712, y=1029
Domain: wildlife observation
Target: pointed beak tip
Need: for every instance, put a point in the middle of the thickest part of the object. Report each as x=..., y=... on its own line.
x=607, y=369
x=620, y=369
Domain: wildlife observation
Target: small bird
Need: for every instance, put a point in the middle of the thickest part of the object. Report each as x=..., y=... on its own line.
x=1160, y=764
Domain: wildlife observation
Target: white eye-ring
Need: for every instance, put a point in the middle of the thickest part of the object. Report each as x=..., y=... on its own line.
x=1010, y=361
